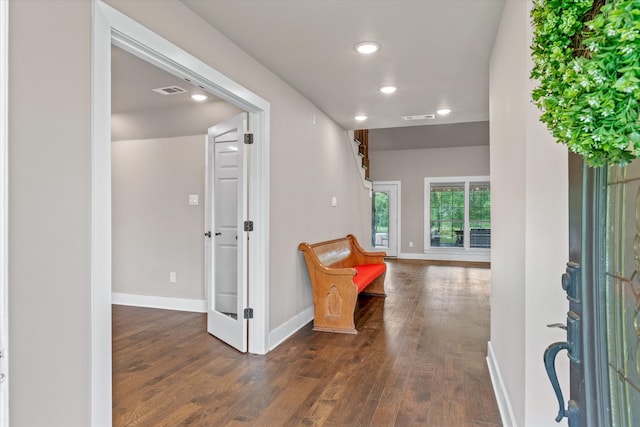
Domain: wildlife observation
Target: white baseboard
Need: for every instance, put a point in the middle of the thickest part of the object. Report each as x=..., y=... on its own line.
x=502, y=397
x=290, y=327
x=445, y=255
x=167, y=303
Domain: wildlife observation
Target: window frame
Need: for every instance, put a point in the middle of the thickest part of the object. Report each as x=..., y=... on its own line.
x=465, y=252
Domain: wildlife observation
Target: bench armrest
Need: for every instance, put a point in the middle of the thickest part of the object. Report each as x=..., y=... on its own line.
x=363, y=257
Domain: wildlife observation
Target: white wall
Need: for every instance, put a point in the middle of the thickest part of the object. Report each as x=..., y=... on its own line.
x=50, y=184
x=530, y=232
x=155, y=230
x=50, y=213
x=411, y=167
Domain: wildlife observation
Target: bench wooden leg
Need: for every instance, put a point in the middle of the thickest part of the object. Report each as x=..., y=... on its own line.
x=333, y=311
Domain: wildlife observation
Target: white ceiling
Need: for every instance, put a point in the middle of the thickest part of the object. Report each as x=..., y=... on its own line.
x=134, y=79
x=435, y=51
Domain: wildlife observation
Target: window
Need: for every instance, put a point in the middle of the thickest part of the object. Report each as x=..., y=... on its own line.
x=458, y=213
x=447, y=214
x=479, y=215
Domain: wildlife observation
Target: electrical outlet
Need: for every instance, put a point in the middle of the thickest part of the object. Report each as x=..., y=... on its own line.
x=410, y=244
x=172, y=277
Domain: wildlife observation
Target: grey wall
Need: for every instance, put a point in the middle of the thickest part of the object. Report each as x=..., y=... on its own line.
x=170, y=122
x=529, y=229
x=411, y=167
x=50, y=200
x=50, y=213
x=155, y=231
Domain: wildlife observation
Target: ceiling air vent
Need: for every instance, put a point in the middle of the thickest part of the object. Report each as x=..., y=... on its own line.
x=169, y=90
x=420, y=117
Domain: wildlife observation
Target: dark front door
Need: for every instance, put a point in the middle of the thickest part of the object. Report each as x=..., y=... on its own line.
x=603, y=290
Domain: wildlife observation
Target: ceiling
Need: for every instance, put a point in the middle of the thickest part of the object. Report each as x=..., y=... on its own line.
x=134, y=79
x=435, y=51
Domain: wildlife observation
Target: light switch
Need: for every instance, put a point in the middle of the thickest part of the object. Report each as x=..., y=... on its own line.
x=193, y=200
x=334, y=201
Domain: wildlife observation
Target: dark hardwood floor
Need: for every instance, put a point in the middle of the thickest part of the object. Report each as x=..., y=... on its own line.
x=418, y=360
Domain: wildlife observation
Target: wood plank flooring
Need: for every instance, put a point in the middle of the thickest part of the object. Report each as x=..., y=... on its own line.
x=418, y=360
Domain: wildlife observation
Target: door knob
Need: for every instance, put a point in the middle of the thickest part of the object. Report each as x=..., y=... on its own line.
x=208, y=234
x=218, y=234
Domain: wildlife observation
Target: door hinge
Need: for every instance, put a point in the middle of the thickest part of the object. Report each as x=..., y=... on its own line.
x=248, y=138
x=248, y=226
x=248, y=313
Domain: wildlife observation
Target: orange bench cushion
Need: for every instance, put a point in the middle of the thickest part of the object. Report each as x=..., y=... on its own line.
x=366, y=274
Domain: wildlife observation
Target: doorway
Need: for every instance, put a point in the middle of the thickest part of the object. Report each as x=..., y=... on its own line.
x=112, y=27
x=385, y=216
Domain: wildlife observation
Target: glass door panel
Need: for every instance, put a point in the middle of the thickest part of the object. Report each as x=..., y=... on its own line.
x=380, y=229
x=622, y=293
x=384, y=217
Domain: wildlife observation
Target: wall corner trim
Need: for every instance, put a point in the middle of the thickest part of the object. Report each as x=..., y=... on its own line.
x=165, y=303
x=4, y=214
x=290, y=327
x=502, y=397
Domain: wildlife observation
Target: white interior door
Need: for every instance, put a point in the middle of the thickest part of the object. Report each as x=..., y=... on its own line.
x=385, y=225
x=226, y=248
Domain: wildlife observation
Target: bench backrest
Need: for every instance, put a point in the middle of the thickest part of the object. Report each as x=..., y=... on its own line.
x=338, y=253
x=334, y=254
x=345, y=252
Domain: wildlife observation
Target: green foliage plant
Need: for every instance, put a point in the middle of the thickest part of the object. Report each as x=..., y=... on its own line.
x=586, y=56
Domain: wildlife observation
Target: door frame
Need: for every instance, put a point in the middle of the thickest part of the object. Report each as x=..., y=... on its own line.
x=4, y=212
x=113, y=27
x=397, y=184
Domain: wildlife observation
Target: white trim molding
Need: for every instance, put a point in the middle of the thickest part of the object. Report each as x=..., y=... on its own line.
x=449, y=255
x=164, y=303
x=290, y=327
x=113, y=27
x=502, y=397
x=4, y=213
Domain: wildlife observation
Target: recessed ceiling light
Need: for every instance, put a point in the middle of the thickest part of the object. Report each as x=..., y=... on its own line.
x=367, y=47
x=388, y=89
x=198, y=97
x=361, y=118
x=443, y=111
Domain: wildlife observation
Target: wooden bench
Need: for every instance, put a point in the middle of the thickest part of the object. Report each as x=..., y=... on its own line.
x=339, y=270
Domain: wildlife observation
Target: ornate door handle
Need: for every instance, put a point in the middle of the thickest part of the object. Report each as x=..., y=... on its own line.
x=550, y=365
